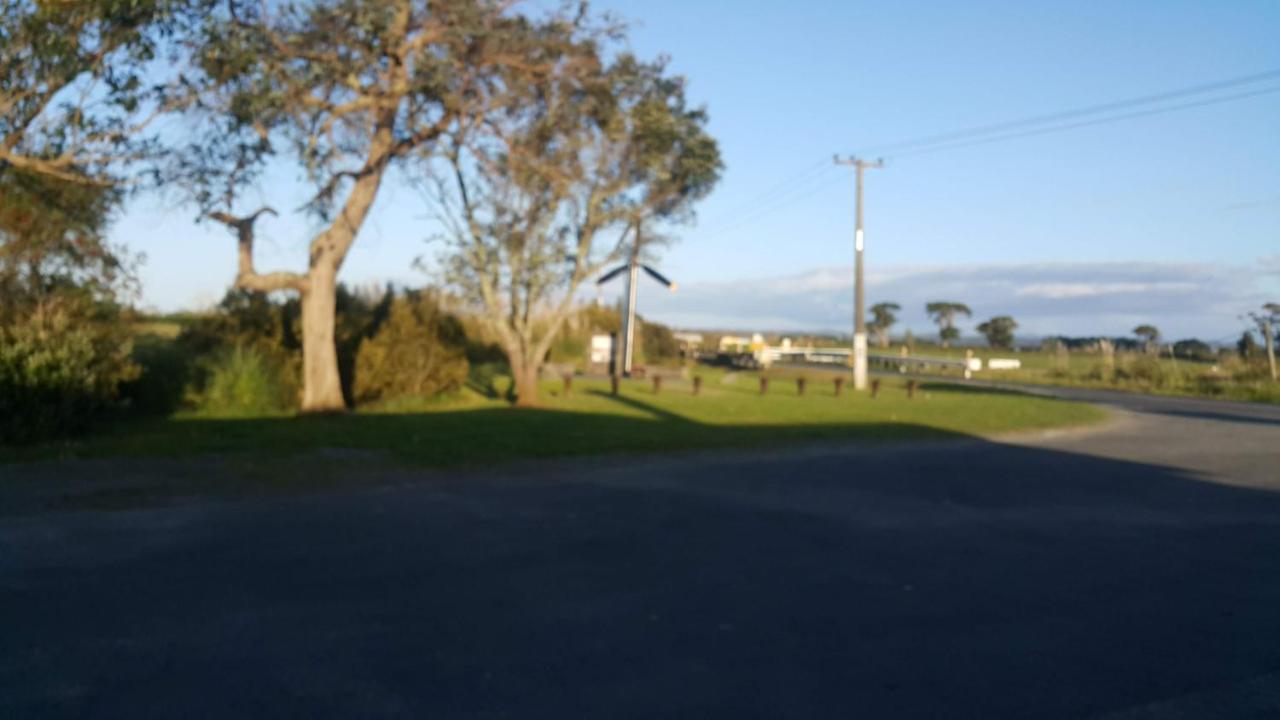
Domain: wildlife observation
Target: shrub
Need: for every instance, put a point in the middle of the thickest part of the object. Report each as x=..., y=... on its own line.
x=241, y=382
x=488, y=379
x=419, y=351
x=56, y=379
x=165, y=373
x=658, y=343
x=64, y=343
x=1145, y=369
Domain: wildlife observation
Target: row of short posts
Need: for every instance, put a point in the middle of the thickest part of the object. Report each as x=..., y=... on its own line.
x=801, y=383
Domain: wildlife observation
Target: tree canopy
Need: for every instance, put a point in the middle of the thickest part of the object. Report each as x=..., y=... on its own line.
x=1149, y=335
x=579, y=169
x=883, y=316
x=999, y=331
x=78, y=83
x=944, y=313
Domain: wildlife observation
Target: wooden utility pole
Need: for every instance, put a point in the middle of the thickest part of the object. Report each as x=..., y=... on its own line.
x=859, y=311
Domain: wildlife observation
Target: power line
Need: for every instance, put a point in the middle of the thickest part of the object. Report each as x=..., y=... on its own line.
x=787, y=198
x=1000, y=127
x=810, y=181
x=1085, y=123
x=818, y=168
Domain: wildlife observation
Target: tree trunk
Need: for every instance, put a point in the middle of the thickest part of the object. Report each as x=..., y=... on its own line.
x=322, y=385
x=524, y=373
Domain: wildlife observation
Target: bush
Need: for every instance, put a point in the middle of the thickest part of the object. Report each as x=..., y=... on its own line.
x=55, y=380
x=657, y=343
x=1145, y=369
x=419, y=351
x=166, y=372
x=243, y=381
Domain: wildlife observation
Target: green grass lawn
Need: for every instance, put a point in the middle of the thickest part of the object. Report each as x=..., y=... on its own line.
x=472, y=430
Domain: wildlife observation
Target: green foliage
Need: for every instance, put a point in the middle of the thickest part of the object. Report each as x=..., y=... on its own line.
x=999, y=331
x=63, y=337
x=58, y=375
x=489, y=380
x=243, y=382
x=658, y=343
x=1247, y=347
x=246, y=329
x=1145, y=369
x=883, y=316
x=76, y=76
x=1193, y=349
x=270, y=328
x=166, y=371
x=944, y=313
x=1149, y=336
x=420, y=351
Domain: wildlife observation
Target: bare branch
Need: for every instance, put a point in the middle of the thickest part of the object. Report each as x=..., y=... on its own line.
x=246, y=276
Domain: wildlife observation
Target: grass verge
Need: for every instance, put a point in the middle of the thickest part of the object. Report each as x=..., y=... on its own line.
x=471, y=430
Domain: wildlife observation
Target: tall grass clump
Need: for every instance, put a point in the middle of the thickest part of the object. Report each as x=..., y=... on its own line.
x=243, y=382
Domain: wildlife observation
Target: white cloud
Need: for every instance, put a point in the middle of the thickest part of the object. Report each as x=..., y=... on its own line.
x=1183, y=299
x=1057, y=291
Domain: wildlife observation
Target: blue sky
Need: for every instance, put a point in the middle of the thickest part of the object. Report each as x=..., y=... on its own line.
x=1174, y=205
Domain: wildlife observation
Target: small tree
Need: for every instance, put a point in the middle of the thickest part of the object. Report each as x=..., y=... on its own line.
x=944, y=315
x=1149, y=336
x=883, y=316
x=999, y=331
x=558, y=186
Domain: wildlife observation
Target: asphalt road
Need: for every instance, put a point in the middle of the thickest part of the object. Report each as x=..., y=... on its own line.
x=1128, y=572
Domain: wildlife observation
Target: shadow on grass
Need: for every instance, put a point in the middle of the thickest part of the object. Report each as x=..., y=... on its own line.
x=141, y=463
x=476, y=436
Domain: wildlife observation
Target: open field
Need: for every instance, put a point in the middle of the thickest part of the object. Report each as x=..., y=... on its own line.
x=472, y=429
x=1228, y=379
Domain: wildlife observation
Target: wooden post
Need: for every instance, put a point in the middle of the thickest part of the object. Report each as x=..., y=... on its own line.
x=839, y=385
x=911, y=389
x=613, y=384
x=875, y=387
x=657, y=384
x=800, y=386
x=568, y=384
x=697, y=384
x=764, y=385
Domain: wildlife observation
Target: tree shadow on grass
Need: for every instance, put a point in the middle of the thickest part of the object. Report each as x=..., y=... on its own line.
x=233, y=457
